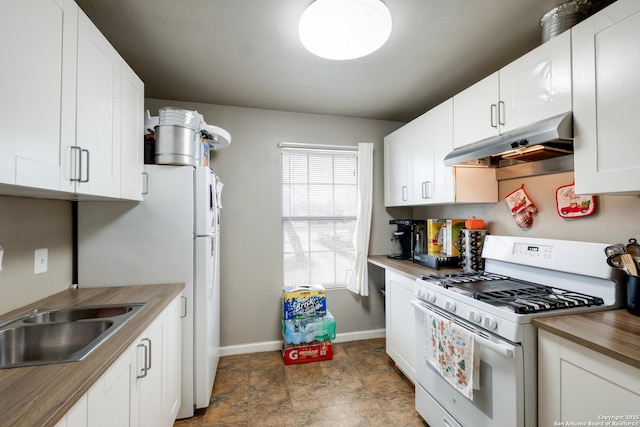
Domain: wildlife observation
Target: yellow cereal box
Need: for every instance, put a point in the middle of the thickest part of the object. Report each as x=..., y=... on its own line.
x=434, y=239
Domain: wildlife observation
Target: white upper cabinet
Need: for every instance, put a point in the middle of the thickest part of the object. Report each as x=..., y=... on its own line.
x=397, y=167
x=475, y=112
x=71, y=110
x=96, y=153
x=532, y=88
x=415, y=173
x=35, y=37
x=606, y=64
x=132, y=149
x=537, y=85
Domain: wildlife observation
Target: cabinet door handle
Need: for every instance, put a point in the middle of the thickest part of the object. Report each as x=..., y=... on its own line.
x=501, y=113
x=145, y=183
x=76, y=163
x=494, y=114
x=144, y=369
x=404, y=193
x=184, y=307
x=88, y=163
x=424, y=189
x=148, y=360
x=427, y=189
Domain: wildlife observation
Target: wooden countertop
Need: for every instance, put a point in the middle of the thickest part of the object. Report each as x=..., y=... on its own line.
x=407, y=268
x=41, y=395
x=614, y=333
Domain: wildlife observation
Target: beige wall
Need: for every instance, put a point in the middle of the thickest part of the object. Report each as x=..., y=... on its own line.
x=26, y=225
x=251, y=240
x=616, y=218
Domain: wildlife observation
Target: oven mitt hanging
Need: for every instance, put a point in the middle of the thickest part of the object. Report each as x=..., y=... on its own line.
x=521, y=207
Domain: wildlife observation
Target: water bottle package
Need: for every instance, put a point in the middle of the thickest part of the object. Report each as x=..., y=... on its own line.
x=297, y=331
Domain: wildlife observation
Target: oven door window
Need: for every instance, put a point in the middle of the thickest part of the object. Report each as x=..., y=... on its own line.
x=499, y=399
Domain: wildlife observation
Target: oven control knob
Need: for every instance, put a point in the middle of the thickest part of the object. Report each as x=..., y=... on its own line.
x=430, y=297
x=450, y=306
x=490, y=322
x=475, y=317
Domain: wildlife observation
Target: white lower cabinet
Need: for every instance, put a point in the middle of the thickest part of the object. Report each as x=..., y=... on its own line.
x=146, y=387
x=577, y=384
x=142, y=387
x=399, y=320
x=76, y=416
x=172, y=369
x=109, y=398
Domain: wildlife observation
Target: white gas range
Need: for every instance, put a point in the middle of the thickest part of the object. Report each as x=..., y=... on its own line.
x=523, y=278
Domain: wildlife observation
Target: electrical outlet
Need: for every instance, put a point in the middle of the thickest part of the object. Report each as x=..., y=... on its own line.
x=40, y=261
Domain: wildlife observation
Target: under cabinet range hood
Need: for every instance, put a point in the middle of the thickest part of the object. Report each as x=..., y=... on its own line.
x=547, y=139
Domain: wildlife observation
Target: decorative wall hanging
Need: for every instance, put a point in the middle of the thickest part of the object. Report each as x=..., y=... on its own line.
x=521, y=207
x=571, y=205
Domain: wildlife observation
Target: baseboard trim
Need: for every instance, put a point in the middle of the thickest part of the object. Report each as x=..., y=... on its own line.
x=277, y=345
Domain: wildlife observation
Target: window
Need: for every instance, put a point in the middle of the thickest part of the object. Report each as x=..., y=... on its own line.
x=319, y=212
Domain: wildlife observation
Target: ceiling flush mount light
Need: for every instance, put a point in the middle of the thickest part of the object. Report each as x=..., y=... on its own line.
x=345, y=29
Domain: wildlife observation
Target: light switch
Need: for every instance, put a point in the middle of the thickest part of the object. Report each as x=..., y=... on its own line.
x=40, y=261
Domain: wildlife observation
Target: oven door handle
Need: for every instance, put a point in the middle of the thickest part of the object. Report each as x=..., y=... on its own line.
x=501, y=349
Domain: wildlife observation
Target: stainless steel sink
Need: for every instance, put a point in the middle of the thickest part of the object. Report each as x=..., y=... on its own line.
x=78, y=313
x=59, y=335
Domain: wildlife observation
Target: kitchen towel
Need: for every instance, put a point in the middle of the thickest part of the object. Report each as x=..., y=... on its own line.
x=451, y=350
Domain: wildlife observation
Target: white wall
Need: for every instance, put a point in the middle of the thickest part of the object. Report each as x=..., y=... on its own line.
x=251, y=241
x=26, y=225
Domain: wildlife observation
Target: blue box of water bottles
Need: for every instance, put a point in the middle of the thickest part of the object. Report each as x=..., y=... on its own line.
x=309, y=330
x=304, y=301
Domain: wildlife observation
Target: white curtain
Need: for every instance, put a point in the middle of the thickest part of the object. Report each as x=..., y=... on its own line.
x=359, y=281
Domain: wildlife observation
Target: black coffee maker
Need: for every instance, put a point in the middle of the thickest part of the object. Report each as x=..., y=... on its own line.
x=403, y=239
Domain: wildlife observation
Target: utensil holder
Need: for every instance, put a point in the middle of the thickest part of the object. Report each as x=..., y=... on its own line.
x=633, y=295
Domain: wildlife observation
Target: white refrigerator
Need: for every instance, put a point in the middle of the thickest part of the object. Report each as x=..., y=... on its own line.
x=172, y=236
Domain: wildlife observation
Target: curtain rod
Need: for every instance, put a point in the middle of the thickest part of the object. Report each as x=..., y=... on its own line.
x=317, y=146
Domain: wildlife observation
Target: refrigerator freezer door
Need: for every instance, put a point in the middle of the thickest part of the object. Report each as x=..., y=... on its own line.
x=206, y=212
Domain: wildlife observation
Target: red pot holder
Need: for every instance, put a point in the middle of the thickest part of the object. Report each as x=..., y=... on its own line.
x=521, y=207
x=571, y=205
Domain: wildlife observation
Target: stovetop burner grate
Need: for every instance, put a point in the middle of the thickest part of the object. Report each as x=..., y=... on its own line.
x=516, y=295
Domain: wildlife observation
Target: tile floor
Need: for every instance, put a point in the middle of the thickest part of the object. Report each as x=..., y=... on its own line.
x=359, y=387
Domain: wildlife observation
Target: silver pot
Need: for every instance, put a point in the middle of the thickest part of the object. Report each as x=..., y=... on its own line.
x=177, y=145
